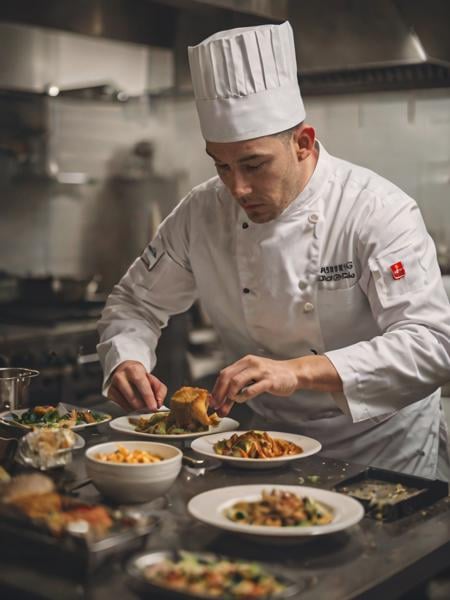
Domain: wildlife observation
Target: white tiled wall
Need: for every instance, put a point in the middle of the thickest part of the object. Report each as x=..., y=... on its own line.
x=405, y=136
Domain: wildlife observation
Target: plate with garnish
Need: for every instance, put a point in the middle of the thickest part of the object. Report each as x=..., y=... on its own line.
x=256, y=449
x=187, y=418
x=265, y=511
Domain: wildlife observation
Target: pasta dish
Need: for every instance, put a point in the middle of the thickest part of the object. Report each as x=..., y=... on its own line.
x=256, y=444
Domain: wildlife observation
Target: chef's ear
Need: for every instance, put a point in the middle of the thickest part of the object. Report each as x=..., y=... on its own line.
x=304, y=138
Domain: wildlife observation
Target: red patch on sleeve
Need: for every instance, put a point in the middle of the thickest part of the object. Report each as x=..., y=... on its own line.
x=398, y=270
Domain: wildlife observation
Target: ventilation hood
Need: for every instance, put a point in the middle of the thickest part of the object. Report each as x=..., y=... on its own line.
x=342, y=45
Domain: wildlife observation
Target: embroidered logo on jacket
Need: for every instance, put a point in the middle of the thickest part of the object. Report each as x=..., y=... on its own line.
x=398, y=270
x=336, y=272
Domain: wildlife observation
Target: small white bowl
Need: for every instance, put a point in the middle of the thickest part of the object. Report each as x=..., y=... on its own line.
x=131, y=483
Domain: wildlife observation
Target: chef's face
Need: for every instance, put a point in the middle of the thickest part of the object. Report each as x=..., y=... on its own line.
x=264, y=174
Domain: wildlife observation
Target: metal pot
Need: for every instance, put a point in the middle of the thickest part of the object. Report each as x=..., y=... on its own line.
x=14, y=384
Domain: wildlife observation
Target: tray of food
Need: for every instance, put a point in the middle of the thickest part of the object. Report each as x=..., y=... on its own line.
x=191, y=575
x=187, y=418
x=389, y=495
x=62, y=415
x=62, y=532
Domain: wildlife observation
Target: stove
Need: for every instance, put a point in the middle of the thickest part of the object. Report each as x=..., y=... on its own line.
x=60, y=342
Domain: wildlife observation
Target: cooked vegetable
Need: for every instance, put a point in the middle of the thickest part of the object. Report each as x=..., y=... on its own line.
x=280, y=508
x=214, y=578
x=50, y=416
x=256, y=444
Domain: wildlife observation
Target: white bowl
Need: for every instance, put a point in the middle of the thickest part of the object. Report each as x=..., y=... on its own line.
x=130, y=483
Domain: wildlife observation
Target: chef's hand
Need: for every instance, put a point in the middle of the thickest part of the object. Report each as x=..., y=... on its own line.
x=253, y=375
x=133, y=388
x=249, y=377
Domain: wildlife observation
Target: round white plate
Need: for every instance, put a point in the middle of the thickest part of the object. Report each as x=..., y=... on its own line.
x=209, y=507
x=124, y=426
x=6, y=418
x=205, y=446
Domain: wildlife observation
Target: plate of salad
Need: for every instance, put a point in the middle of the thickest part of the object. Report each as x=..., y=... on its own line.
x=61, y=415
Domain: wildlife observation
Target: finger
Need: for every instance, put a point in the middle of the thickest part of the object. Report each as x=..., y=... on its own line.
x=124, y=386
x=159, y=389
x=145, y=391
x=242, y=380
x=116, y=397
x=251, y=391
x=220, y=389
x=225, y=408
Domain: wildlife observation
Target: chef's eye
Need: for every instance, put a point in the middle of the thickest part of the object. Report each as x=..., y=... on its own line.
x=221, y=167
x=254, y=167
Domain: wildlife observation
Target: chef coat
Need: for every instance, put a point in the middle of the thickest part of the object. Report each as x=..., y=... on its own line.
x=347, y=270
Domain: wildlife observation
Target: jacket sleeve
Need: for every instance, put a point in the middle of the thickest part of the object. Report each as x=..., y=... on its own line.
x=158, y=284
x=400, y=276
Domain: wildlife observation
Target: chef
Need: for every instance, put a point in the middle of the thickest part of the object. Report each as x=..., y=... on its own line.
x=318, y=275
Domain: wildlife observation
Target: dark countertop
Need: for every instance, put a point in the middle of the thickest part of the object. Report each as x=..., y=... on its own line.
x=369, y=560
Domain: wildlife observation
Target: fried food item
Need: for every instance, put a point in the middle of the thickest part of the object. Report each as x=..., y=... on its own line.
x=189, y=405
x=26, y=485
x=39, y=506
x=256, y=444
x=130, y=457
x=280, y=508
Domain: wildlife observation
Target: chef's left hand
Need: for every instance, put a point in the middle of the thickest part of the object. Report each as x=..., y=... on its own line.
x=251, y=376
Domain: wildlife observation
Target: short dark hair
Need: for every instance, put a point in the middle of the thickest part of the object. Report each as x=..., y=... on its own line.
x=287, y=133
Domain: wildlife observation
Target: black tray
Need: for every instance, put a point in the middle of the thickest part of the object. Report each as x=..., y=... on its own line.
x=428, y=491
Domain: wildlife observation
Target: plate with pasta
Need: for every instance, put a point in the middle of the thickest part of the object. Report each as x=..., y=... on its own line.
x=270, y=512
x=256, y=449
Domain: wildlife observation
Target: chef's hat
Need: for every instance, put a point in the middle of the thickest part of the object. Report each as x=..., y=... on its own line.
x=245, y=83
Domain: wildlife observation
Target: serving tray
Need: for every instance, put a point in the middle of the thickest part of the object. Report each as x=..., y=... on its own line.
x=70, y=554
x=391, y=495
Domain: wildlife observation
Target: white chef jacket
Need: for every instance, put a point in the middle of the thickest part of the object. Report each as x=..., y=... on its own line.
x=319, y=277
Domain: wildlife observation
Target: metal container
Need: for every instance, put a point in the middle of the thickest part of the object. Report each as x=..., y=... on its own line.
x=14, y=384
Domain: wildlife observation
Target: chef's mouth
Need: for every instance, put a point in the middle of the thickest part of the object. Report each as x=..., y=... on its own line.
x=250, y=206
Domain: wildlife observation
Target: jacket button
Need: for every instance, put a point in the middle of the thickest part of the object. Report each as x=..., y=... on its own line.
x=308, y=307
x=246, y=291
x=302, y=284
x=314, y=218
x=244, y=225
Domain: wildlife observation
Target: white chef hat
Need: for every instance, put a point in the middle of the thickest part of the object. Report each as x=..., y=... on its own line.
x=245, y=83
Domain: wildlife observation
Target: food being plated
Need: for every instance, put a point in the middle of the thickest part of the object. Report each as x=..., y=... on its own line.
x=188, y=414
x=56, y=416
x=280, y=508
x=256, y=444
x=214, y=577
x=129, y=457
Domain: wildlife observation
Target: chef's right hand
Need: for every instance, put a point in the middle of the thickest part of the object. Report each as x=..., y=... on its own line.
x=133, y=388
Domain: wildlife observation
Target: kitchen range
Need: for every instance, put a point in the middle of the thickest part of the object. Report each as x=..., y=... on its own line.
x=54, y=334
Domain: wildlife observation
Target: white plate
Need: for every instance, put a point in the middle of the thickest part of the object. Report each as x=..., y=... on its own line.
x=122, y=424
x=209, y=507
x=205, y=446
x=6, y=418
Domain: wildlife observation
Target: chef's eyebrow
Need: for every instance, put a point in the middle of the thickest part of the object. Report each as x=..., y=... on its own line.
x=241, y=160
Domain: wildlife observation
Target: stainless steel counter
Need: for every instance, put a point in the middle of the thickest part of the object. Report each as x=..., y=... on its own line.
x=371, y=560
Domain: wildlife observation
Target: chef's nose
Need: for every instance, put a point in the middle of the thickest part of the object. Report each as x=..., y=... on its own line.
x=238, y=185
